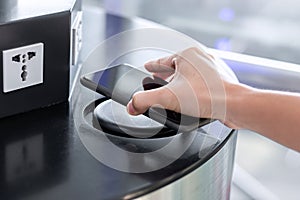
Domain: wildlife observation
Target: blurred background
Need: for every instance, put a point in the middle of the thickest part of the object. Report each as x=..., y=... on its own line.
x=268, y=29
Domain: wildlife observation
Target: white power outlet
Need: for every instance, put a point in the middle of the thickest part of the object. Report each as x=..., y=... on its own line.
x=23, y=67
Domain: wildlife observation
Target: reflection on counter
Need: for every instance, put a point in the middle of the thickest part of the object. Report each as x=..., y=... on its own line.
x=24, y=158
x=29, y=161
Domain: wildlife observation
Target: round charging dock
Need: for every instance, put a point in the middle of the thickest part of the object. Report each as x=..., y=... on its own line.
x=113, y=118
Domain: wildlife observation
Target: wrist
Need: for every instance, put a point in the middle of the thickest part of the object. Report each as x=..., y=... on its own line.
x=237, y=96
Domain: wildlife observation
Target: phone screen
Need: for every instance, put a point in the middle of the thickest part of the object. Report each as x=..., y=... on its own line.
x=122, y=81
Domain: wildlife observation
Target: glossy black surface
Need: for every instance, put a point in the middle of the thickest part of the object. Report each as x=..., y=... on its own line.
x=42, y=156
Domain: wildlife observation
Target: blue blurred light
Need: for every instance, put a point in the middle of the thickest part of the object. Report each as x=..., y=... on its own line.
x=226, y=14
x=223, y=44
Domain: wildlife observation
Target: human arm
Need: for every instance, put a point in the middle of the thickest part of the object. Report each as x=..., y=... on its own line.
x=199, y=89
x=273, y=114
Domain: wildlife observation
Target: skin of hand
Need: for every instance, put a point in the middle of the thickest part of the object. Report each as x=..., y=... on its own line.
x=198, y=87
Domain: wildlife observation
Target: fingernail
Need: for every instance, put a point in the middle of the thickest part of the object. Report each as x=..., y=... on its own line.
x=174, y=61
x=130, y=108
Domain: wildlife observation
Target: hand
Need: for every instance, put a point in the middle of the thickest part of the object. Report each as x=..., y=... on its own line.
x=200, y=86
x=197, y=85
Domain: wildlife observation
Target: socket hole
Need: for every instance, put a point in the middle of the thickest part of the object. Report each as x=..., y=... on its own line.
x=16, y=58
x=23, y=61
x=24, y=56
x=24, y=75
x=24, y=67
x=31, y=55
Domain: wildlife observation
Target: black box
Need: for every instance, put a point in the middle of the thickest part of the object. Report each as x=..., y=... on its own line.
x=44, y=25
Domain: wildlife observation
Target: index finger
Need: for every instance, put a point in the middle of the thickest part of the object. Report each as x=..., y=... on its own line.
x=164, y=64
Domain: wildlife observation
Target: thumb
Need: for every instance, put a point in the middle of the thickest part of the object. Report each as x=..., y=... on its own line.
x=142, y=101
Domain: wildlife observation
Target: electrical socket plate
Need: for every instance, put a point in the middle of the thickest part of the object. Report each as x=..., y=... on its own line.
x=23, y=67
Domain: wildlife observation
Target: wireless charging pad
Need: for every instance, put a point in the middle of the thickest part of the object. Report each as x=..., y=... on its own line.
x=113, y=118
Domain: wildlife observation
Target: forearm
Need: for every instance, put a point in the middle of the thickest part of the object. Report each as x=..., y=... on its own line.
x=275, y=115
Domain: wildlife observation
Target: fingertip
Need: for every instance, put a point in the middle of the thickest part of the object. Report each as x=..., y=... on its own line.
x=130, y=108
x=148, y=65
x=149, y=62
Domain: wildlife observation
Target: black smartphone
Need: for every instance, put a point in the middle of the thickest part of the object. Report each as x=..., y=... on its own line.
x=120, y=82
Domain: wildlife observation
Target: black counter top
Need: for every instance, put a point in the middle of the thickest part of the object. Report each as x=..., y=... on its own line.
x=43, y=158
